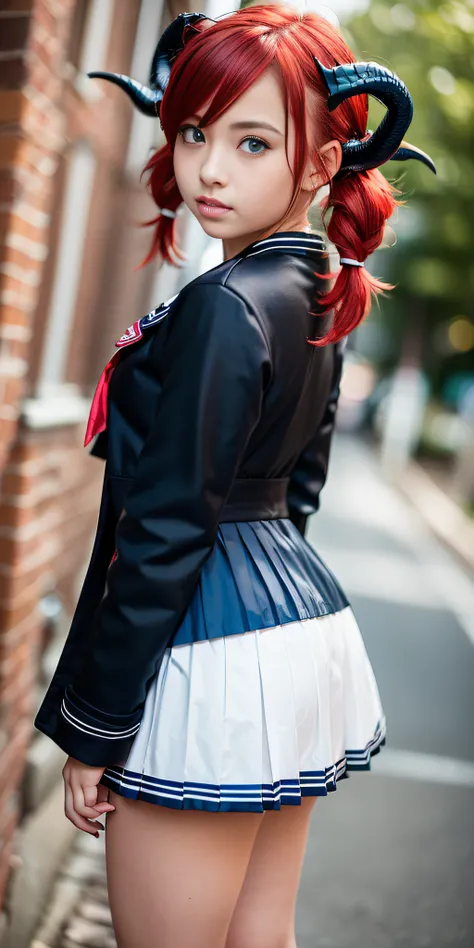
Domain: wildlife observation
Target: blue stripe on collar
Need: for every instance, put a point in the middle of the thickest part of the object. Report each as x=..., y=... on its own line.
x=289, y=242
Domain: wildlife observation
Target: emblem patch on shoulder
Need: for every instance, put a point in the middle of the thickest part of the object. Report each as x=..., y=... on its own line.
x=132, y=334
x=135, y=332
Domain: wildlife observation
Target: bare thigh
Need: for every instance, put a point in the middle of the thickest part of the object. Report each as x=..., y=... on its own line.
x=264, y=916
x=174, y=876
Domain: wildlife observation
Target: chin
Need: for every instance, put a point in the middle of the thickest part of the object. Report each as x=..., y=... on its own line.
x=215, y=229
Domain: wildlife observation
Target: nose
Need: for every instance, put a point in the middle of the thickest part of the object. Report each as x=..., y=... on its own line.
x=213, y=169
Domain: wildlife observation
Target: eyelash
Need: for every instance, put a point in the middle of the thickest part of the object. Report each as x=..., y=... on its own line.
x=248, y=138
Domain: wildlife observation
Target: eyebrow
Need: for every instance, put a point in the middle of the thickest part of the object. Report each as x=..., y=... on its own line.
x=248, y=124
x=256, y=124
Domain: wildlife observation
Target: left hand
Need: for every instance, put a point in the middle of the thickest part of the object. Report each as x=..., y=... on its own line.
x=85, y=797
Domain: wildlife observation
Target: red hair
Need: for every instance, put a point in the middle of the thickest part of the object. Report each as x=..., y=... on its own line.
x=219, y=65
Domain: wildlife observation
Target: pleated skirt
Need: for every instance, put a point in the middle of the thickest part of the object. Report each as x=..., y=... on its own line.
x=266, y=693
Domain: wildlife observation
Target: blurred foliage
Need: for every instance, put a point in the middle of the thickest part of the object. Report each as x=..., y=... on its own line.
x=430, y=45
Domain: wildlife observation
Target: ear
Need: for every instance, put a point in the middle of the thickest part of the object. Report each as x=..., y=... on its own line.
x=331, y=157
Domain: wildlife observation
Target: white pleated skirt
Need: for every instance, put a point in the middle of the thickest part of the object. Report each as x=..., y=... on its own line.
x=256, y=720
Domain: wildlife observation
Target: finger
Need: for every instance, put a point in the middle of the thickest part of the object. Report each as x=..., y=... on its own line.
x=78, y=802
x=103, y=796
x=85, y=825
x=91, y=799
x=90, y=795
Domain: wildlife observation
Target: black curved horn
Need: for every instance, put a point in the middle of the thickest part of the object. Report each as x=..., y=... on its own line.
x=169, y=45
x=148, y=99
x=351, y=79
x=407, y=151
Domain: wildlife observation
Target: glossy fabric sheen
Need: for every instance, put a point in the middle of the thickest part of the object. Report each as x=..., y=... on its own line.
x=260, y=574
x=218, y=387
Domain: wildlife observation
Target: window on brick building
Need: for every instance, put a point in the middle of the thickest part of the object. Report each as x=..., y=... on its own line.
x=89, y=40
x=77, y=31
x=68, y=267
x=88, y=48
x=145, y=134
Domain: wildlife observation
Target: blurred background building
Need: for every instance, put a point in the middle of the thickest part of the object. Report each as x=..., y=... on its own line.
x=71, y=202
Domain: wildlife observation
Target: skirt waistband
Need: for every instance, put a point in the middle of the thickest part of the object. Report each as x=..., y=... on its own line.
x=253, y=498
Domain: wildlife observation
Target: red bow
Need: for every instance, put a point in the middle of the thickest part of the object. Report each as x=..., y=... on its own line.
x=98, y=414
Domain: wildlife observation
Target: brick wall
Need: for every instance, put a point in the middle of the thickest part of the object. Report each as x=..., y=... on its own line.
x=32, y=37
x=49, y=486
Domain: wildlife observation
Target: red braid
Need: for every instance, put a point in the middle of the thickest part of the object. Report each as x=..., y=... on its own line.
x=164, y=191
x=361, y=202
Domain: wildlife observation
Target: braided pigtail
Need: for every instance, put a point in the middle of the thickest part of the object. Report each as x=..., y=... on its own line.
x=361, y=202
x=162, y=186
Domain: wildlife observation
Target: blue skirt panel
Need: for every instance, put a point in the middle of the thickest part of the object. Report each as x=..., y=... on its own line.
x=260, y=574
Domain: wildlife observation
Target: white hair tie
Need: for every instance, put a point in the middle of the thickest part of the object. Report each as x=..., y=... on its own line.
x=352, y=262
x=165, y=212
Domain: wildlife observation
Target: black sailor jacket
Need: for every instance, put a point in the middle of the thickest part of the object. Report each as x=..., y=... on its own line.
x=216, y=398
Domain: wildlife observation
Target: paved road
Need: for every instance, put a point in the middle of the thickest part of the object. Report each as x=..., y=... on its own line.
x=390, y=860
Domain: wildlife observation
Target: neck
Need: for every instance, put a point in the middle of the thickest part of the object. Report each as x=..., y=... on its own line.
x=233, y=245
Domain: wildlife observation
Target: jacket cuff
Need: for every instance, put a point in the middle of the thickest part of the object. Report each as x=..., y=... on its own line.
x=93, y=736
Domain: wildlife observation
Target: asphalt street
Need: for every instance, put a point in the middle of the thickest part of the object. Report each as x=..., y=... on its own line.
x=390, y=858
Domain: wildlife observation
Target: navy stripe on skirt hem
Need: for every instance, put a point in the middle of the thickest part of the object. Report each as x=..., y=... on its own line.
x=248, y=798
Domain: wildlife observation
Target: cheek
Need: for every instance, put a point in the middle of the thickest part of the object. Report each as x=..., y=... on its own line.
x=270, y=179
x=182, y=168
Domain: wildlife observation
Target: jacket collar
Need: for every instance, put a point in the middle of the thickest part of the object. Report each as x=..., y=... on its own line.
x=288, y=241
x=292, y=241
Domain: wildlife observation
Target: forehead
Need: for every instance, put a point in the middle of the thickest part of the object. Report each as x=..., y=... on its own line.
x=263, y=100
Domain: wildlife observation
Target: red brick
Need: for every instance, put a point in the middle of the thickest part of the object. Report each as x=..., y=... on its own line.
x=13, y=622
x=15, y=349
x=14, y=386
x=17, y=225
x=21, y=6
x=15, y=483
x=12, y=315
x=15, y=516
x=14, y=33
x=13, y=73
x=11, y=104
x=23, y=452
x=9, y=187
x=12, y=758
x=13, y=550
x=16, y=584
x=8, y=428
x=9, y=147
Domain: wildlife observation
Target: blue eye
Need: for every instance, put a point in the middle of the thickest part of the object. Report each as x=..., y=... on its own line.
x=251, y=142
x=190, y=134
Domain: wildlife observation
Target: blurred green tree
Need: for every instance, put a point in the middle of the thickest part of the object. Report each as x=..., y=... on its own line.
x=431, y=47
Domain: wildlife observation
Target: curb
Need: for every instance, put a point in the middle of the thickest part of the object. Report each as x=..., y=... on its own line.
x=444, y=517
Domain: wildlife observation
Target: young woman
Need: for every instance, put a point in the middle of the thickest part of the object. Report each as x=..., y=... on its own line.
x=214, y=681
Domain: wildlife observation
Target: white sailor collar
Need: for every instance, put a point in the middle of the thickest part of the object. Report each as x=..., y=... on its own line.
x=291, y=241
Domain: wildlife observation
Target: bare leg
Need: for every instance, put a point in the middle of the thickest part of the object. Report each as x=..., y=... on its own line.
x=264, y=916
x=174, y=876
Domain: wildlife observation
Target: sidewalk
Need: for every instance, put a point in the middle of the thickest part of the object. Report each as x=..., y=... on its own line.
x=442, y=515
x=78, y=913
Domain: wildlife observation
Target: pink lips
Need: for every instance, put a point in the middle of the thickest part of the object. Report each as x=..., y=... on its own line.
x=210, y=207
